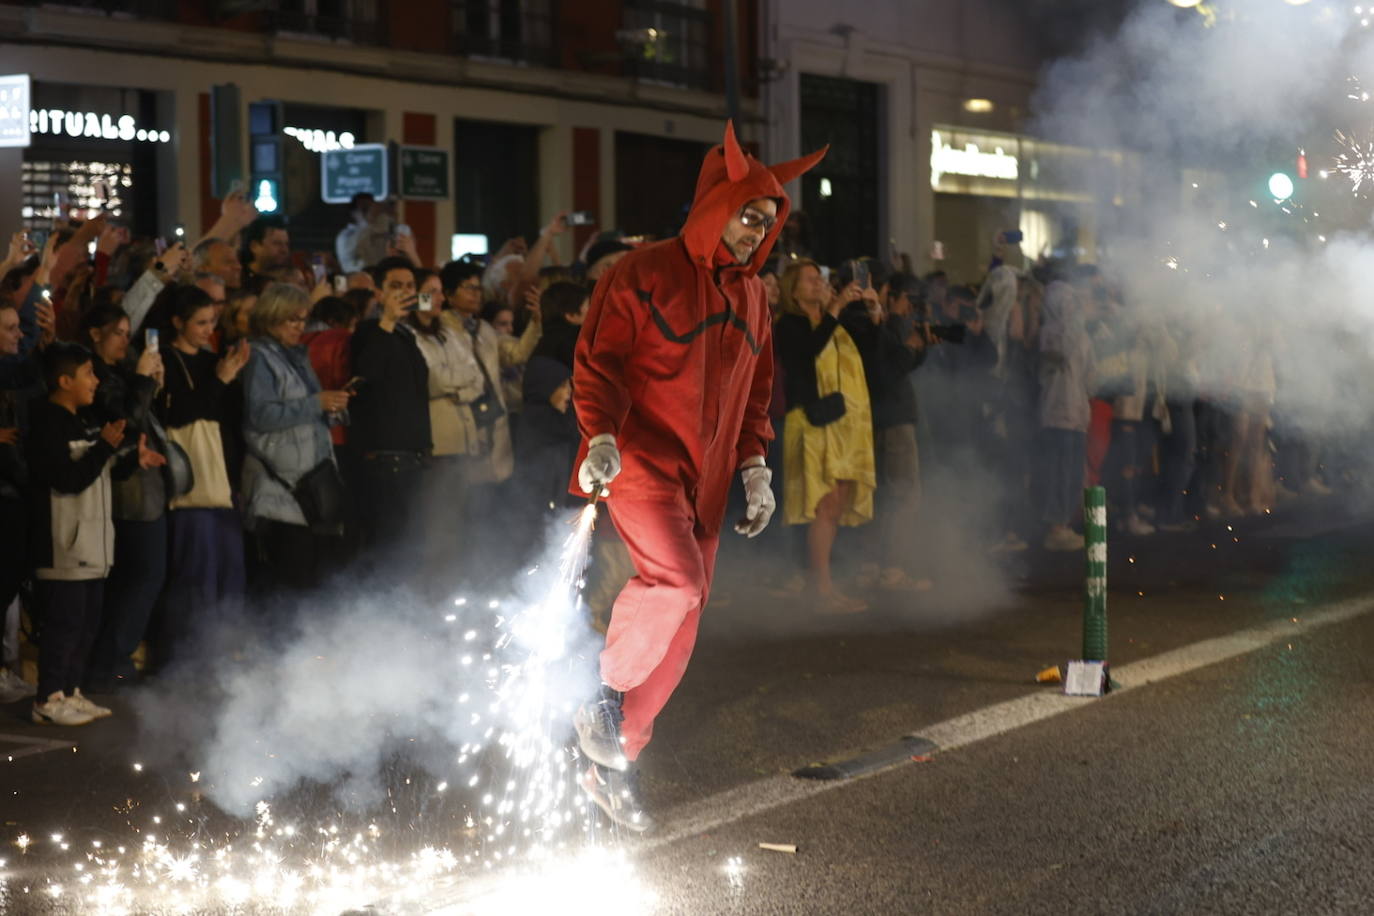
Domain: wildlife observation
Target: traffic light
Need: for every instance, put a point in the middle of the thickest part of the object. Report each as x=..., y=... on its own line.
x=268, y=158
x=226, y=139
x=1280, y=186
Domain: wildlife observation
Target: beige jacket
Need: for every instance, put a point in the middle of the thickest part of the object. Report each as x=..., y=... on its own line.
x=456, y=380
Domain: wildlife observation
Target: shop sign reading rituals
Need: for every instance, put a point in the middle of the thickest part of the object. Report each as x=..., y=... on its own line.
x=92, y=126
x=14, y=109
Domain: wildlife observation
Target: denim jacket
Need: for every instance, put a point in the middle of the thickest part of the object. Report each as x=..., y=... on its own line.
x=284, y=426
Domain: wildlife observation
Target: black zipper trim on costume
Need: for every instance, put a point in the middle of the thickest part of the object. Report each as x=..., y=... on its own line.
x=726, y=315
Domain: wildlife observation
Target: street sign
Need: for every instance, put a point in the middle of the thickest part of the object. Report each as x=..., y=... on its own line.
x=14, y=110
x=424, y=173
x=360, y=170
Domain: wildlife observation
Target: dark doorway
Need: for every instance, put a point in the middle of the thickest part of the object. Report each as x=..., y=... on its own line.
x=312, y=222
x=842, y=196
x=496, y=177
x=654, y=181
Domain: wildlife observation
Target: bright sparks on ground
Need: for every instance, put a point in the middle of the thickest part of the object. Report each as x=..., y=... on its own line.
x=528, y=833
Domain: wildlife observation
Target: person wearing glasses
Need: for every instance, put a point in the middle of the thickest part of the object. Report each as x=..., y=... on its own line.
x=286, y=430
x=477, y=428
x=672, y=378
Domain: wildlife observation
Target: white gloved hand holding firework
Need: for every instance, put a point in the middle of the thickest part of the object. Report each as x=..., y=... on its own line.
x=601, y=465
x=759, y=501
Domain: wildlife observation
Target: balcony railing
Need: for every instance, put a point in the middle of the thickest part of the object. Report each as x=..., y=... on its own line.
x=358, y=21
x=671, y=42
x=516, y=30
x=137, y=9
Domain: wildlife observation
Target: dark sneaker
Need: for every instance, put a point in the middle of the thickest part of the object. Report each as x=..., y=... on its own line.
x=617, y=794
x=598, y=729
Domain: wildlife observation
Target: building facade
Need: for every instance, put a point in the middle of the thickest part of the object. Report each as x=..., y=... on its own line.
x=927, y=107
x=540, y=105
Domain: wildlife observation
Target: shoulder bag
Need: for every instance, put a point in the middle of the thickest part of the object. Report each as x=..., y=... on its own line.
x=486, y=407
x=203, y=446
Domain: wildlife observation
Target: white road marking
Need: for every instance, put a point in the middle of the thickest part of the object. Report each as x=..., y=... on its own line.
x=29, y=746
x=745, y=801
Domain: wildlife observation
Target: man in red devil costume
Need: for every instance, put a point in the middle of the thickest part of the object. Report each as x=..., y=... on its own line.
x=672, y=377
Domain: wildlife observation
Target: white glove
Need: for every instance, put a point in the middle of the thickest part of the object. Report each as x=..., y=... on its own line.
x=601, y=465
x=758, y=491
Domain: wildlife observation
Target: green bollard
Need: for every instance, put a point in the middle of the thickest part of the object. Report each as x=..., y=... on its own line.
x=1095, y=584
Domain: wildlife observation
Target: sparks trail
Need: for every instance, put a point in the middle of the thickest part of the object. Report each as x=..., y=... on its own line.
x=515, y=817
x=1356, y=161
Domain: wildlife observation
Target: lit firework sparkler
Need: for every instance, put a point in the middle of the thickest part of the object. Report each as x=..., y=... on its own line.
x=1355, y=161
x=528, y=829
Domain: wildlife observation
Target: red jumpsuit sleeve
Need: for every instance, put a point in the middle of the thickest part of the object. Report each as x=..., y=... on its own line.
x=600, y=391
x=757, y=429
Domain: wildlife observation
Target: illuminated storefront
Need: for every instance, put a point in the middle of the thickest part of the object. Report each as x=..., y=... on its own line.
x=987, y=182
x=93, y=150
x=311, y=130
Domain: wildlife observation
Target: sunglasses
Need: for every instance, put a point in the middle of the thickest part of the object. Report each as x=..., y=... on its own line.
x=751, y=219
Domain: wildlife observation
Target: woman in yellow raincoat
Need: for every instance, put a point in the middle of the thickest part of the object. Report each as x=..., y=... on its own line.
x=828, y=468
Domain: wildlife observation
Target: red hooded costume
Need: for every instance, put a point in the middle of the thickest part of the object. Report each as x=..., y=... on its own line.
x=675, y=359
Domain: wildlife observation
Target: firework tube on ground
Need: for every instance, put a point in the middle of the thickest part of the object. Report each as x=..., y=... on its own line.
x=1095, y=578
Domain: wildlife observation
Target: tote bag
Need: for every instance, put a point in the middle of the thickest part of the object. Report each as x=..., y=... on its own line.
x=201, y=442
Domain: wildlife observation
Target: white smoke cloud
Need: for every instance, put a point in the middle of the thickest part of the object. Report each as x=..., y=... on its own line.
x=1232, y=102
x=365, y=674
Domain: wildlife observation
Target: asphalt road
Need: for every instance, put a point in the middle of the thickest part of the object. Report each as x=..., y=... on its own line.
x=1239, y=787
x=1244, y=787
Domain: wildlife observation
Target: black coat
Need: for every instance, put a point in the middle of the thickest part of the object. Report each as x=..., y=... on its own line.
x=546, y=439
x=125, y=395
x=798, y=345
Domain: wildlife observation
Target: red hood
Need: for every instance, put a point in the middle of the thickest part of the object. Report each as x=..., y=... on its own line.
x=729, y=179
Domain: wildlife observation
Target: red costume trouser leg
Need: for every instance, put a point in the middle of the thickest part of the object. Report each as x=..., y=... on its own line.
x=654, y=621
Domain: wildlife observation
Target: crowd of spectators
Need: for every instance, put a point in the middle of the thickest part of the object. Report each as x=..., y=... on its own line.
x=186, y=431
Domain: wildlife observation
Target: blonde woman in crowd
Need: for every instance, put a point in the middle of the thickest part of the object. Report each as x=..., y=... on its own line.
x=829, y=473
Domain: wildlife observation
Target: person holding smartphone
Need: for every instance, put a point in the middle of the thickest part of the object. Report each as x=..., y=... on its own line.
x=20, y=380
x=287, y=436
x=828, y=459
x=127, y=391
x=205, y=572
x=460, y=455
x=390, y=430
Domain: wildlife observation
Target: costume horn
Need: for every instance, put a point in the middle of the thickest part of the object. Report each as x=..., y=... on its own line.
x=736, y=162
x=786, y=171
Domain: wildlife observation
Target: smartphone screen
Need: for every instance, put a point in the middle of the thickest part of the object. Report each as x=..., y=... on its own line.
x=426, y=302
x=160, y=245
x=340, y=285
x=150, y=339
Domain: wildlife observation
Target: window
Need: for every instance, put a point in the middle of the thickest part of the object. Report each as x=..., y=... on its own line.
x=669, y=42
x=80, y=189
x=514, y=30
x=142, y=9
x=358, y=21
